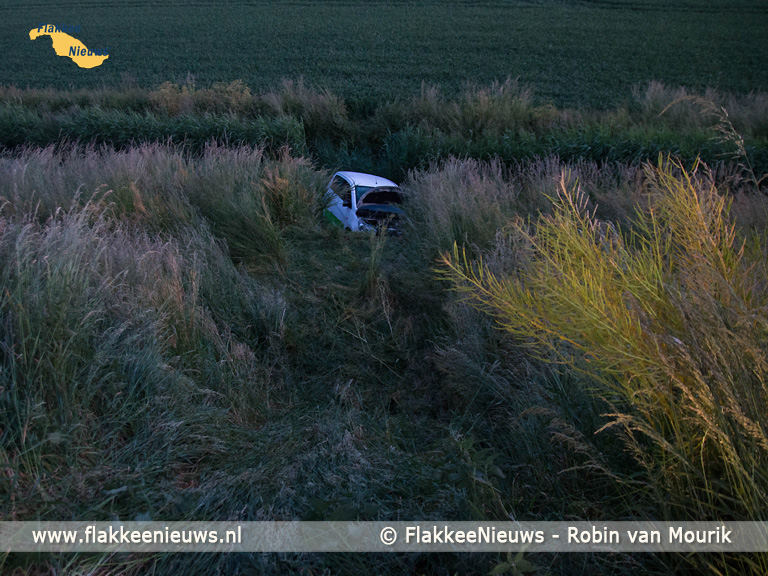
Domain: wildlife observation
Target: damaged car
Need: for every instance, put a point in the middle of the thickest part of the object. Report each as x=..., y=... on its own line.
x=358, y=201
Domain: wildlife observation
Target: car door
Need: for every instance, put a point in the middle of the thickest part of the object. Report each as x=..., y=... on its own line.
x=341, y=201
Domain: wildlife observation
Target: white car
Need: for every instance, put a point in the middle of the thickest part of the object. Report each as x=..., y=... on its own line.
x=358, y=201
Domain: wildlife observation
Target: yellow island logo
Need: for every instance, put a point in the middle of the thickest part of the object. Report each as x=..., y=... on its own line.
x=66, y=45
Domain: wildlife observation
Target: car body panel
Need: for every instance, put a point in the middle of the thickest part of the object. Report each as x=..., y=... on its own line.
x=362, y=179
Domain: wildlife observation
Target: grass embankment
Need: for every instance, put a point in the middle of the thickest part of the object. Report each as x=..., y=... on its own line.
x=504, y=120
x=181, y=338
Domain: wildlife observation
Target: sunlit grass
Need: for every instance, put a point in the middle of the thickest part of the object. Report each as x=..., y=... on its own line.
x=667, y=320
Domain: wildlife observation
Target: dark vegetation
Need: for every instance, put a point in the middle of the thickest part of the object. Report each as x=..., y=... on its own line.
x=502, y=121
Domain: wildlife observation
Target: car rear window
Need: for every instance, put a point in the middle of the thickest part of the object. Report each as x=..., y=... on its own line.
x=382, y=196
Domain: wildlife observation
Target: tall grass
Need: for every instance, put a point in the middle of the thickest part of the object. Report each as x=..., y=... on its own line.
x=477, y=111
x=460, y=201
x=247, y=199
x=667, y=319
x=20, y=127
x=134, y=354
x=323, y=114
x=100, y=328
x=250, y=200
x=747, y=112
x=469, y=202
x=180, y=338
x=504, y=120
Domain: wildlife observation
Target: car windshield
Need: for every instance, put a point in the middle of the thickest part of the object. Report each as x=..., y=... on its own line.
x=362, y=191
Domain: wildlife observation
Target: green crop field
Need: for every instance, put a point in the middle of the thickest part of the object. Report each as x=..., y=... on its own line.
x=573, y=53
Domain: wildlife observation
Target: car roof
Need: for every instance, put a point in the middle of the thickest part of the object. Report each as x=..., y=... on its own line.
x=361, y=179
